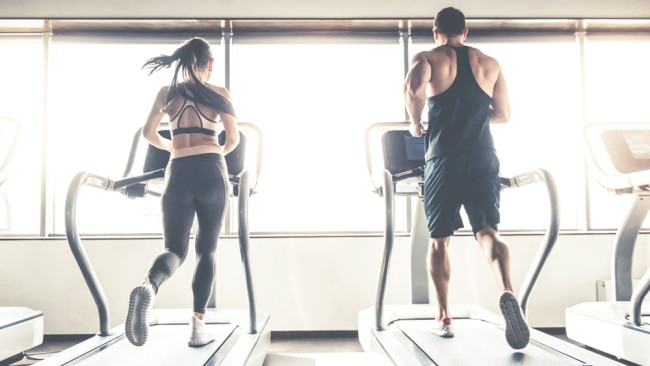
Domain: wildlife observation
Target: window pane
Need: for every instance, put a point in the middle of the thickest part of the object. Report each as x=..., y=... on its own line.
x=21, y=93
x=543, y=81
x=100, y=97
x=617, y=77
x=317, y=102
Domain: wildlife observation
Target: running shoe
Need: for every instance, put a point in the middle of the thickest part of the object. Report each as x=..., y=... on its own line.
x=137, y=319
x=443, y=328
x=517, y=332
x=199, y=336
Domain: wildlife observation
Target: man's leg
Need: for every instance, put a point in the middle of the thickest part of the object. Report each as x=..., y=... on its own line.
x=439, y=271
x=497, y=254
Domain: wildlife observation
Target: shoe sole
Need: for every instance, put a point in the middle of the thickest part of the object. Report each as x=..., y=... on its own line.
x=137, y=319
x=199, y=343
x=517, y=332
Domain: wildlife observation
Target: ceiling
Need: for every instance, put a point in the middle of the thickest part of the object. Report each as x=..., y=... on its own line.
x=416, y=26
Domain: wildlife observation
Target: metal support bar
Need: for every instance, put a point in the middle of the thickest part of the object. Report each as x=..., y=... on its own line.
x=74, y=240
x=550, y=235
x=640, y=292
x=244, y=246
x=389, y=233
x=419, y=251
x=624, y=248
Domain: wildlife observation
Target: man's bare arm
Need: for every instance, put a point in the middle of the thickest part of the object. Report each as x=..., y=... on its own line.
x=415, y=86
x=500, y=108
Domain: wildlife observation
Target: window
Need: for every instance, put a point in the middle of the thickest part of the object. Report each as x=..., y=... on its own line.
x=99, y=98
x=21, y=72
x=617, y=77
x=314, y=101
x=313, y=98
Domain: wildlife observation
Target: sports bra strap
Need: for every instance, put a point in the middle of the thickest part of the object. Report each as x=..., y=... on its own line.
x=194, y=129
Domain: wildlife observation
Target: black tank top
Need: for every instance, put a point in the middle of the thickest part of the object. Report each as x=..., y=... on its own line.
x=459, y=116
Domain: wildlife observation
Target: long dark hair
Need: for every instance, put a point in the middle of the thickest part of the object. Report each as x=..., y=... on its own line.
x=192, y=55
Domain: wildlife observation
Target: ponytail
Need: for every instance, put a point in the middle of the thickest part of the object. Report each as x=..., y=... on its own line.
x=193, y=54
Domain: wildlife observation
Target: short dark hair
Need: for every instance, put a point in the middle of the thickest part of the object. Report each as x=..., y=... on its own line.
x=450, y=21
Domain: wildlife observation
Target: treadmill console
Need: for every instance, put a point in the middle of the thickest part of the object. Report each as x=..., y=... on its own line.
x=629, y=150
x=403, y=154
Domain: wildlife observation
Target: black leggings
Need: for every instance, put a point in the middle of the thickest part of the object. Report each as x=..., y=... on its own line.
x=196, y=184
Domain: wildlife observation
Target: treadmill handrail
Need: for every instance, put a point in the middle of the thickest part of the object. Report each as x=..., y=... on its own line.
x=244, y=247
x=135, y=143
x=389, y=235
x=640, y=292
x=74, y=239
x=550, y=235
x=77, y=248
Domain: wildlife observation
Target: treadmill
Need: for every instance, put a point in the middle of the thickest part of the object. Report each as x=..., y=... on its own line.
x=242, y=336
x=399, y=334
x=21, y=328
x=620, y=154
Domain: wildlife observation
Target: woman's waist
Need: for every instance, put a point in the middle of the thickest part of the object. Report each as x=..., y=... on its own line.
x=196, y=150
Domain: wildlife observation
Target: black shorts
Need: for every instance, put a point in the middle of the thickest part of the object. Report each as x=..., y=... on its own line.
x=470, y=179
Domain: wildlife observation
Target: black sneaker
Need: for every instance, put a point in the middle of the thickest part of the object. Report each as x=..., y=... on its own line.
x=517, y=332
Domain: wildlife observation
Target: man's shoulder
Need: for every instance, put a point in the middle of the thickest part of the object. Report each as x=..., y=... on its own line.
x=483, y=58
x=480, y=54
x=436, y=53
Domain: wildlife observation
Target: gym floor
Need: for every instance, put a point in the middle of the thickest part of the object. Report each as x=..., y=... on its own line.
x=287, y=349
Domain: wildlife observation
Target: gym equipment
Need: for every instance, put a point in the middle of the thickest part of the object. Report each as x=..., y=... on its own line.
x=242, y=336
x=620, y=156
x=400, y=334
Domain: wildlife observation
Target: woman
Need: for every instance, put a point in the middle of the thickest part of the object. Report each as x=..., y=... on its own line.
x=196, y=181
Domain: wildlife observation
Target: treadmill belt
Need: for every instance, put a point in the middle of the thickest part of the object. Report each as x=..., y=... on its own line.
x=477, y=342
x=167, y=345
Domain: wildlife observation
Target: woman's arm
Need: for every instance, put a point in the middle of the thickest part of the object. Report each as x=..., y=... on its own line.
x=150, y=129
x=232, y=132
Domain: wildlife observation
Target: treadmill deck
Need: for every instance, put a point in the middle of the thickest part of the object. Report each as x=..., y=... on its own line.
x=477, y=342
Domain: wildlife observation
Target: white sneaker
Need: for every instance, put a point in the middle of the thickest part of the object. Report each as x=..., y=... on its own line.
x=137, y=319
x=517, y=332
x=443, y=328
x=199, y=336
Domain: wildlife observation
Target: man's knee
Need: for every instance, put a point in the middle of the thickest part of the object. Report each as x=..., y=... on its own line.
x=439, y=245
x=486, y=232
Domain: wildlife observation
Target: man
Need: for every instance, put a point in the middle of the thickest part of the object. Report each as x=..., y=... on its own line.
x=465, y=92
